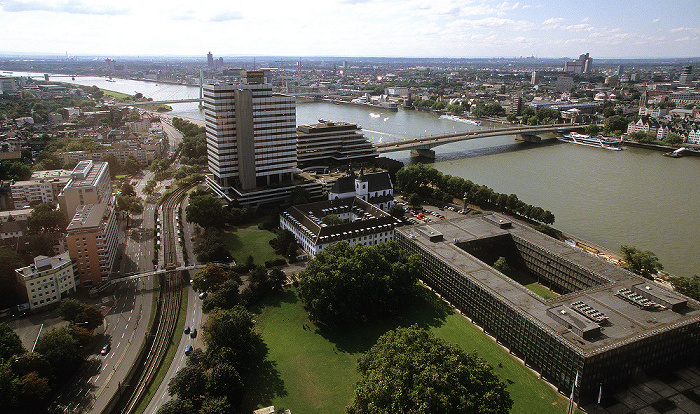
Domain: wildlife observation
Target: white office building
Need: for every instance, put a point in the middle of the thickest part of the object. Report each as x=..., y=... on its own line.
x=251, y=135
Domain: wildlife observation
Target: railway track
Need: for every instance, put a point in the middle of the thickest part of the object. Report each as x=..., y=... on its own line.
x=156, y=344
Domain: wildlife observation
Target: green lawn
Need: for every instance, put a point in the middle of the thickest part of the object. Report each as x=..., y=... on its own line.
x=532, y=284
x=250, y=241
x=115, y=94
x=318, y=367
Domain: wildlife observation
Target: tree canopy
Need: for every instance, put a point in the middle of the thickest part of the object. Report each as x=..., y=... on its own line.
x=409, y=370
x=46, y=218
x=10, y=344
x=689, y=286
x=345, y=284
x=642, y=262
x=204, y=209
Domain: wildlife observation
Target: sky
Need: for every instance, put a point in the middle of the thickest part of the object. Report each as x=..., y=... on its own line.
x=376, y=28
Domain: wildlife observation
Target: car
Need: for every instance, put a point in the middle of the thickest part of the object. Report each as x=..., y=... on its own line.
x=187, y=330
x=105, y=349
x=188, y=350
x=193, y=334
x=203, y=295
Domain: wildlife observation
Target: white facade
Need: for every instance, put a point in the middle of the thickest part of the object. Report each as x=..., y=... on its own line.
x=364, y=224
x=375, y=188
x=251, y=134
x=47, y=279
x=662, y=133
x=693, y=137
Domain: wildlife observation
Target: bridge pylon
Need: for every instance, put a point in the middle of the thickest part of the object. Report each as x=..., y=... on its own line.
x=423, y=153
x=528, y=138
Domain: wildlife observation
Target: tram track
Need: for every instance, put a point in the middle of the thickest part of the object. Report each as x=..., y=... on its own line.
x=170, y=295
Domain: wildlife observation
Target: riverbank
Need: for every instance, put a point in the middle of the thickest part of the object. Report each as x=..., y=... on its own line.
x=694, y=152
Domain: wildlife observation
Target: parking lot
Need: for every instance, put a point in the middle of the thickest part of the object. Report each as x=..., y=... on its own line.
x=429, y=213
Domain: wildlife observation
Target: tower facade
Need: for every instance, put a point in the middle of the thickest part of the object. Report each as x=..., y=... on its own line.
x=251, y=134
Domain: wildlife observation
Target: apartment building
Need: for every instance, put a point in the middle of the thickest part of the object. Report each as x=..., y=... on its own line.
x=90, y=183
x=43, y=282
x=92, y=242
x=43, y=187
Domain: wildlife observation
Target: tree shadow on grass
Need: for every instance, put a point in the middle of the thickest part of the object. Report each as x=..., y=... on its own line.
x=274, y=300
x=426, y=311
x=265, y=384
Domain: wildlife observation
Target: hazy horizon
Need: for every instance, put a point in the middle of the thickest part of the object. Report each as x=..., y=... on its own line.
x=472, y=29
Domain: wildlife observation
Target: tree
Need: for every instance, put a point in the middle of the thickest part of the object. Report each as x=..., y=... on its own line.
x=332, y=220
x=177, y=406
x=345, y=284
x=10, y=344
x=224, y=381
x=615, y=123
x=209, y=278
x=131, y=165
x=46, y=218
x=132, y=204
x=115, y=167
x=90, y=318
x=32, y=391
x=189, y=383
x=216, y=405
x=673, y=139
x=128, y=189
x=644, y=263
x=160, y=165
x=9, y=261
x=397, y=210
x=502, y=265
x=224, y=297
x=414, y=200
x=204, y=209
x=592, y=129
x=61, y=351
x=231, y=335
x=300, y=195
x=687, y=286
x=70, y=308
x=409, y=370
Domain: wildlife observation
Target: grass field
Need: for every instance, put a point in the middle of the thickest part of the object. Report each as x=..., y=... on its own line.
x=117, y=95
x=318, y=367
x=532, y=284
x=250, y=241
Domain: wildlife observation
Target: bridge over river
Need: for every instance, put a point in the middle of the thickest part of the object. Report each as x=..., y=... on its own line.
x=422, y=146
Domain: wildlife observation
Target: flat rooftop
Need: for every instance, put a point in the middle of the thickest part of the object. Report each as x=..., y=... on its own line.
x=625, y=320
x=88, y=216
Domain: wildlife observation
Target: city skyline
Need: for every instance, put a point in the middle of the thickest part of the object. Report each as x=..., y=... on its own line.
x=387, y=28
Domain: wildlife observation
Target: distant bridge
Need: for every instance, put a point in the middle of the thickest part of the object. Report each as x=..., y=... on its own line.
x=422, y=146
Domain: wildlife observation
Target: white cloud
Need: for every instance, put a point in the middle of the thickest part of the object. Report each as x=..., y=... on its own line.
x=656, y=20
x=71, y=6
x=226, y=16
x=553, y=21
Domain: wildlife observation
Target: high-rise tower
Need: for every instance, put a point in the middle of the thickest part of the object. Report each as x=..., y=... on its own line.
x=251, y=135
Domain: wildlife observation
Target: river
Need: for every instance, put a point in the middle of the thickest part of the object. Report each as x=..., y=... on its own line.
x=636, y=197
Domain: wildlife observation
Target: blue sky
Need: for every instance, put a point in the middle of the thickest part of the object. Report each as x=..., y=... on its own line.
x=392, y=28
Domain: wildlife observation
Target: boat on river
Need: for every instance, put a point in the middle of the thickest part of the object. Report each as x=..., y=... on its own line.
x=460, y=119
x=598, y=141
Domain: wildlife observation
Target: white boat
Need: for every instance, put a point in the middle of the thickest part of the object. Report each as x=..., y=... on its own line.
x=460, y=119
x=589, y=141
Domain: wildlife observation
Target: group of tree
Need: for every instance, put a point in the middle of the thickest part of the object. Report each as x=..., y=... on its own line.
x=492, y=109
x=458, y=107
x=541, y=116
x=347, y=284
x=689, y=286
x=409, y=370
x=45, y=226
x=127, y=199
x=188, y=174
x=193, y=148
x=217, y=381
x=14, y=170
x=27, y=379
x=209, y=246
x=642, y=262
x=428, y=183
x=206, y=210
x=641, y=136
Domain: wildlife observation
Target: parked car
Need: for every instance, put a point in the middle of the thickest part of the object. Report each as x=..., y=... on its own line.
x=193, y=334
x=105, y=349
x=187, y=330
x=188, y=350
